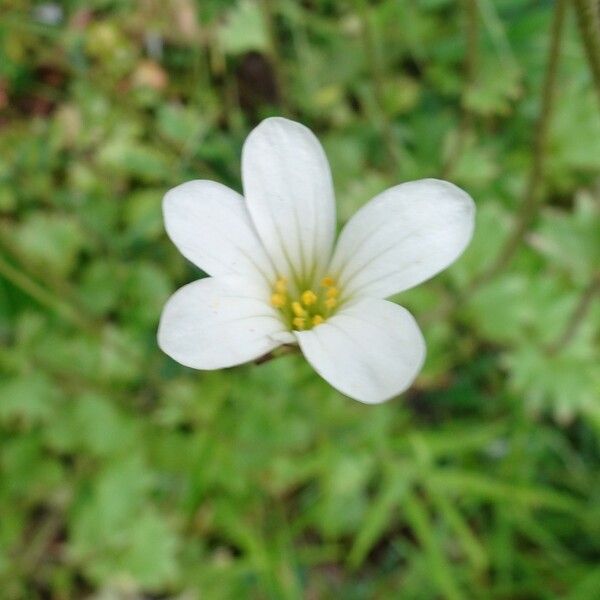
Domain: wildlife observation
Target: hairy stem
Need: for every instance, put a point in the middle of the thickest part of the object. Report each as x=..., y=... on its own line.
x=588, y=20
x=51, y=299
x=378, y=81
x=471, y=60
x=577, y=316
x=472, y=33
x=279, y=70
x=39, y=293
x=283, y=350
x=531, y=195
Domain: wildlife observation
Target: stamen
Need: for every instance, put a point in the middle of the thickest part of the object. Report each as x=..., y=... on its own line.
x=299, y=322
x=308, y=298
x=281, y=285
x=305, y=309
x=298, y=310
x=278, y=300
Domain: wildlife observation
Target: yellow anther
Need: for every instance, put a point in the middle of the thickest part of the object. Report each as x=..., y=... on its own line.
x=308, y=297
x=281, y=285
x=299, y=322
x=278, y=300
x=298, y=310
x=308, y=309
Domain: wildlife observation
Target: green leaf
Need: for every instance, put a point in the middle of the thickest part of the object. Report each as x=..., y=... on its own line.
x=180, y=124
x=379, y=516
x=572, y=240
x=93, y=425
x=439, y=567
x=566, y=382
x=244, y=29
x=27, y=400
x=51, y=241
x=491, y=94
x=128, y=157
x=117, y=536
x=143, y=215
x=474, y=484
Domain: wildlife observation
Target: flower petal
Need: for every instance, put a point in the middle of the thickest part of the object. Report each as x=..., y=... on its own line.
x=371, y=350
x=209, y=325
x=402, y=237
x=289, y=191
x=209, y=224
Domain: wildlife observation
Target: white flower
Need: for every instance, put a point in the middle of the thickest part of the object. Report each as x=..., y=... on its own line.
x=276, y=277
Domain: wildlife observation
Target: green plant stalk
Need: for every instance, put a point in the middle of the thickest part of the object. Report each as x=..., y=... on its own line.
x=279, y=70
x=471, y=60
x=493, y=26
x=283, y=350
x=51, y=300
x=577, y=316
x=378, y=84
x=588, y=21
x=531, y=196
x=472, y=51
x=417, y=517
x=220, y=70
x=14, y=253
x=40, y=294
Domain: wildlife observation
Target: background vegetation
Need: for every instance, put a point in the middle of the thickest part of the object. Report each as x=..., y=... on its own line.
x=124, y=475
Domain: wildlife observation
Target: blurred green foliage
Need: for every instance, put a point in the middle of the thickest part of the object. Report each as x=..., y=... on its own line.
x=124, y=475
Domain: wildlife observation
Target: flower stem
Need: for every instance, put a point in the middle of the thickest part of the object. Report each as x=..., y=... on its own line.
x=588, y=20
x=378, y=81
x=268, y=10
x=63, y=308
x=529, y=205
x=471, y=60
x=40, y=294
x=472, y=50
x=577, y=316
x=530, y=202
x=283, y=350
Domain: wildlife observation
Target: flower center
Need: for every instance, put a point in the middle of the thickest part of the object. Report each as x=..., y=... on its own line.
x=308, y=308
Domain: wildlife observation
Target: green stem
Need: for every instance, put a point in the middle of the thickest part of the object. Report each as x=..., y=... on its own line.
x=531, y=195
x=588, y=20
x=378, y=81
x=493, y=25
x=219, y=69
x=283, y=350
x=472, y=50
x=471, y=60
x=440, y=571
x=40, y=294
x=49, y=299
x=577, y=316
x=529, y=204
x=276, y=56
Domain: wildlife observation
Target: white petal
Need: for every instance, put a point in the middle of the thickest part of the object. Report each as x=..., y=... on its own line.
x=208, y=325
x=210, y=225
x=371, y=350
x=402, y=237
x=289, y=191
